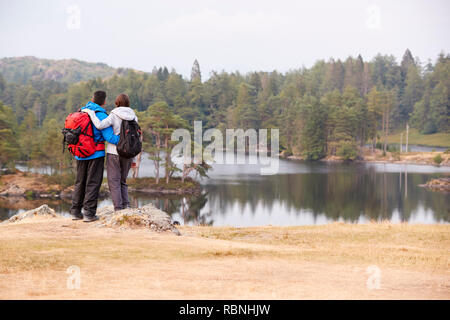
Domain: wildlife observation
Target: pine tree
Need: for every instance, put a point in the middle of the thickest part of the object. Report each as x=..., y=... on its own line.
x=2, y=85
x=245, y=113
x=440, y=109
x=359, y=76
x=158, y=123
x=407, y=61
x=175, y=88
x=412, y=92
x=313, y=131
x=195, y=72
x=432, y=112
x=28, y=132
x=9, y=146
x=373, y=115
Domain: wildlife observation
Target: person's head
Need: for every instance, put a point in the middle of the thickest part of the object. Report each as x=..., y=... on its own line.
x=99, y=97
x=122, y=100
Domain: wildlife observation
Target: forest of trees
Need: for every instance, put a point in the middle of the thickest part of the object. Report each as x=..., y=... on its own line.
x=332, y=108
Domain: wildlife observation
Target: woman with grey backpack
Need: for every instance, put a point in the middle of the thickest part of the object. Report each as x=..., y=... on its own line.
x=119, y=159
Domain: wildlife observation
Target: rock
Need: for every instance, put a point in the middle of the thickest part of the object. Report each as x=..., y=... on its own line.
x=13, y=191
x=440, y=184
x=43, y=210
x=148, y=217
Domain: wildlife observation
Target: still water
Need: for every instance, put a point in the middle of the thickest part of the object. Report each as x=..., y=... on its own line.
x=302, y=193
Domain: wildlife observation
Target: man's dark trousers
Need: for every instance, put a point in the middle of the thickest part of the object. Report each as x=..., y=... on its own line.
x=87, y=186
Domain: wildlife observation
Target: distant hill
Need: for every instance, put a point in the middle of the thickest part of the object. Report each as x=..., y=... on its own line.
x=22, y=69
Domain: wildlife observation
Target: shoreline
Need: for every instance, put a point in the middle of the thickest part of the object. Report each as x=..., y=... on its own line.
x=34, y=186
x=410, y=158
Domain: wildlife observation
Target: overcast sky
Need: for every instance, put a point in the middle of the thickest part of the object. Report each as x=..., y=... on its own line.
x=226, y=35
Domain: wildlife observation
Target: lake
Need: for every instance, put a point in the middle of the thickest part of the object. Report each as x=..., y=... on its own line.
x=302, y=193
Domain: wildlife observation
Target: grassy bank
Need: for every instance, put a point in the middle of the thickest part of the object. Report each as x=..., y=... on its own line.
x=315, y=262
x=439, y=139
x=34, y=185
x=175, y=185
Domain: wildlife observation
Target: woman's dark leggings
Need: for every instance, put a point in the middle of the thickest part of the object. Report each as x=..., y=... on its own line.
x=117, y=169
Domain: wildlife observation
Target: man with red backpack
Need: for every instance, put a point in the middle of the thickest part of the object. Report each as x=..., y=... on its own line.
x=90, y=168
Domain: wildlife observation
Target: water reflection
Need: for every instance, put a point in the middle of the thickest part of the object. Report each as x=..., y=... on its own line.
x=302, y=193
x=361, y=193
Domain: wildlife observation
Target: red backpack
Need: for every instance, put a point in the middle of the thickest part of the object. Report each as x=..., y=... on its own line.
x=79, y=135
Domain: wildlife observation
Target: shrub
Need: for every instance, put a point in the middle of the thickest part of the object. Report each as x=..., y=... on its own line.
x=29, y=194
x=314, y=154
x=392, y=148
x=379, y=145
x=347, y=151
x=429, y=128
x=438, y=159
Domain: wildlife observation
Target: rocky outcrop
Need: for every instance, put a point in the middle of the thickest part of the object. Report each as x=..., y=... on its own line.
x=145, y=217
x=43, y=210
x=28, y=185
x=441, y=184
x=13, y=191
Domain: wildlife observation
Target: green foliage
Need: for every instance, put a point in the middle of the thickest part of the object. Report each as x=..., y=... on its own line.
x=431, y=112
x=429, y=127
x=313, y=133
x=158, y=123
x=333, y=108
x=22, y=69
x=9, y=146
x=196, y=75
x=188, y=186
x=29, y=194
x=347, y=151
x=438, y=159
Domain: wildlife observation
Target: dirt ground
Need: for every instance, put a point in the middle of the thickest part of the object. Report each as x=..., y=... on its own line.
x=426, y=158
x=335, y=261
x=24, y=181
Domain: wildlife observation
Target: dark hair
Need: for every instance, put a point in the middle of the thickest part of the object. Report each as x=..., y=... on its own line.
x=99, y=97
x=122, y=100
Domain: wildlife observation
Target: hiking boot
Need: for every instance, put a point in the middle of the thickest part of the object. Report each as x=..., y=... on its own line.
x=90, y=218
x=77, y=216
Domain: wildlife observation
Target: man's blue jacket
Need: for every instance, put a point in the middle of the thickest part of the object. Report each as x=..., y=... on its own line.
x=106, y=134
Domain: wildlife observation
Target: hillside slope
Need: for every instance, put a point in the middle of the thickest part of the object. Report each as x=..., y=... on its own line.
x=22, y=69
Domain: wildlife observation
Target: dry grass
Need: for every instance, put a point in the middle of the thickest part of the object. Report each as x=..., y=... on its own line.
x=426, y=158
x=148, y=184
x=224, y=263
x=395, y=245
